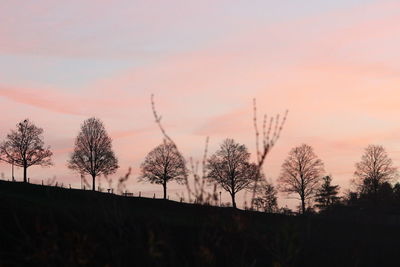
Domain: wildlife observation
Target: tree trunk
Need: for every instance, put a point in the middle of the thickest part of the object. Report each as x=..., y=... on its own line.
x=25, y=173
x=93, y=182
x=233, y=200
x=303, y=205
x=165, y=189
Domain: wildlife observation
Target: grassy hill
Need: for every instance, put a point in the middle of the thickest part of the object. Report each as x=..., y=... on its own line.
x=48, y=226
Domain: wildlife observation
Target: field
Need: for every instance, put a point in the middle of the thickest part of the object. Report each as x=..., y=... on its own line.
x=51, y=226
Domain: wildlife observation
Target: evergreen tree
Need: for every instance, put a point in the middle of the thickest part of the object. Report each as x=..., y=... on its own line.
x=327, y=194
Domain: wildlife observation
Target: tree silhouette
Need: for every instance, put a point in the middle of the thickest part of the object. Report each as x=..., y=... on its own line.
x=301, y=174
x=24, y=147
x=198, y=188
x=396, y=192
x=229, y=167
x=266, y=198
x=373, y=170
x=93, y=153
x=162, y=165
x=327, y=194
x=386, y=194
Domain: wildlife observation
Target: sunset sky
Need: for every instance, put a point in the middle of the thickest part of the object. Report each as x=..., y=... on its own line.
x=335, y=65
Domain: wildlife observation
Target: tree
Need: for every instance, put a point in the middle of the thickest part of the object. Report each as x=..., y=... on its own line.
x=198, y=189
x=327, y=194
x=229, y=167
x=386, y=194
x=396, y=192
x=267, y=198
x=301, y=174
x=163, y=164
x=93, y=152
x=373, y=170
x=24, y=147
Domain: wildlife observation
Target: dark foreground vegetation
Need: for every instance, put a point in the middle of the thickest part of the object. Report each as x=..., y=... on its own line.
x=50, y=226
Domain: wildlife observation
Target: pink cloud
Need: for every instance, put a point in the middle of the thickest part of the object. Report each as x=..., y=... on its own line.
x=48, y=99
x=86, y=102
x=227, y=124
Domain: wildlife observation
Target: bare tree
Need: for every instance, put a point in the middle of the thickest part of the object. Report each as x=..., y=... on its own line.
x=24, y=147
x=301, y=174
x=271, y=130
x=197, y=190
x=374, y=169
x=93, y=153
x=229, y=167
x=162, y=165
x=270, y=134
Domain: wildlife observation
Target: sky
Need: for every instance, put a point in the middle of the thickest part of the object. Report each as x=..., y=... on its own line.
x=334, y=65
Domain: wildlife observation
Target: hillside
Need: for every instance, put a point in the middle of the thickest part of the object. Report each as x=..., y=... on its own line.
x=50, y=226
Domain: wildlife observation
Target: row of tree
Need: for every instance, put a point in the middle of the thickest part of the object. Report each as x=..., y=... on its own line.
x=92, y=155
x=302, y=173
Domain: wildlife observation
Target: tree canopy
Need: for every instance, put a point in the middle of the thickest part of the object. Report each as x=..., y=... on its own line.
x=163, y=164
x=24, y=147
x=374, y=169
x=230, y=168
x=93, y=152
x=301, y=174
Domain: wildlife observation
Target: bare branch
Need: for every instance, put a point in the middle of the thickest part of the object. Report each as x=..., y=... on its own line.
x=230, y=168
x=198, y=193
x=158, y=121
x=24, y=147
x=93, y=152
x=163, y=164
x=271, y=133
x=374, y=169
x=301, y=173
